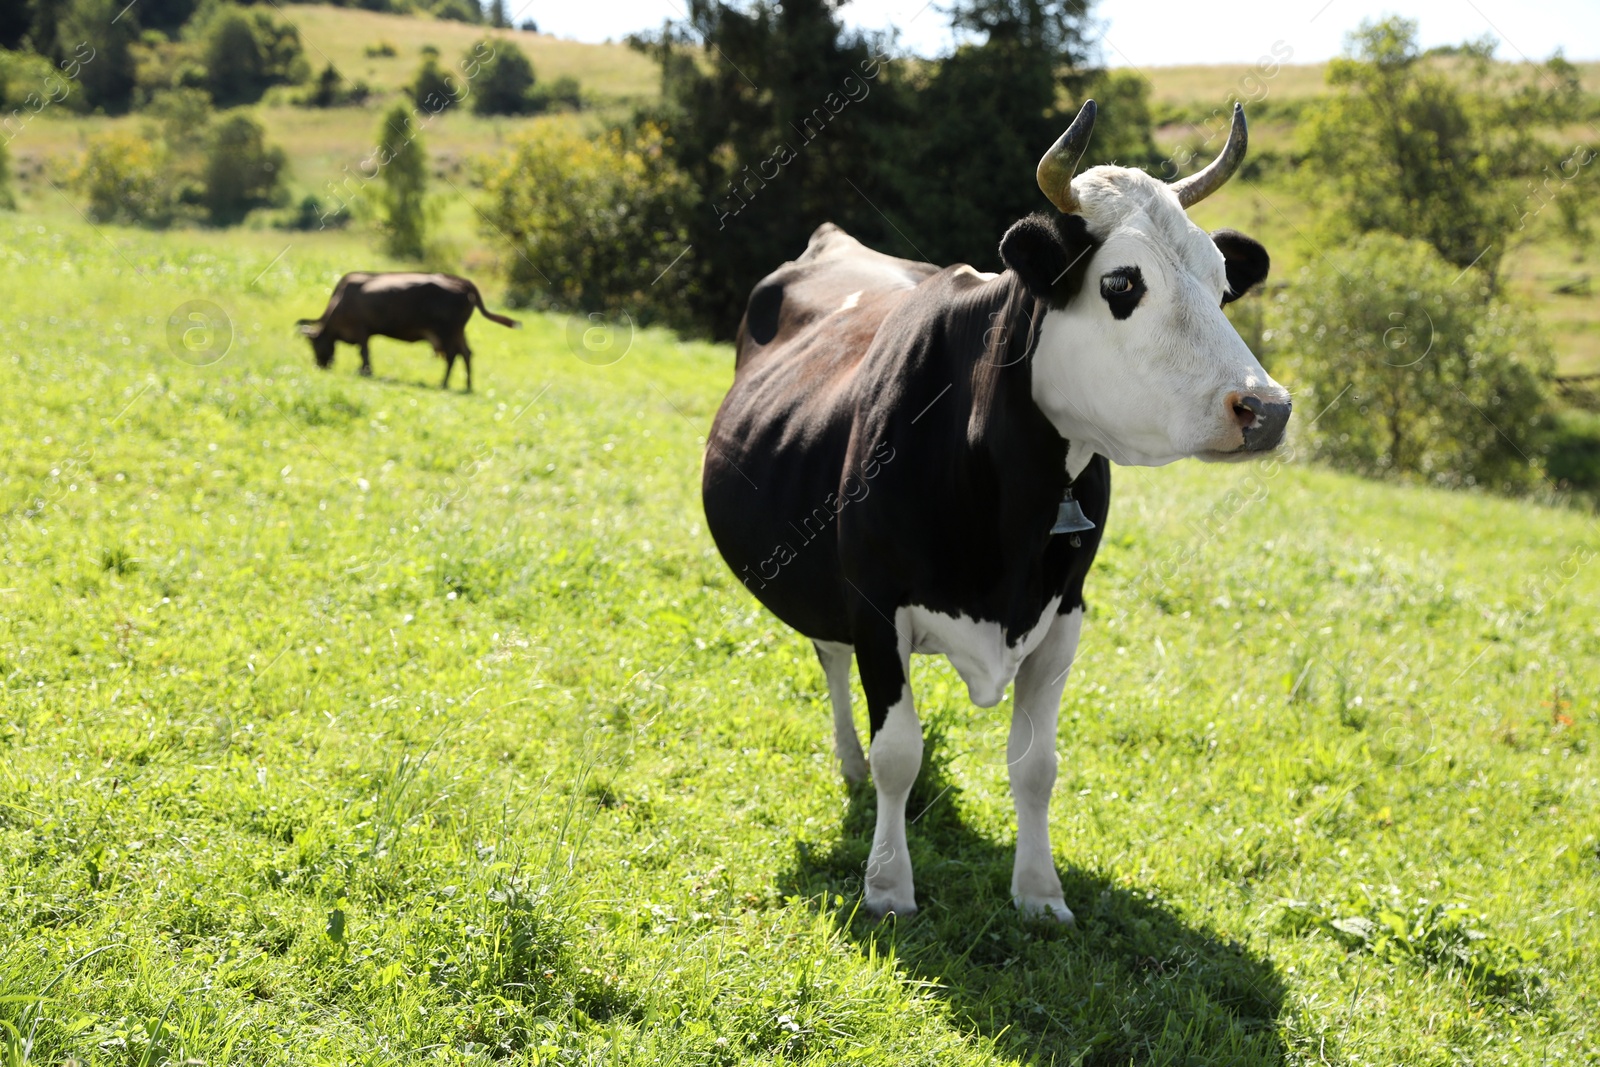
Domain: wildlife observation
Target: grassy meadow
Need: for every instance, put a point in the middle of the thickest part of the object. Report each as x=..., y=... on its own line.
x=350, y=721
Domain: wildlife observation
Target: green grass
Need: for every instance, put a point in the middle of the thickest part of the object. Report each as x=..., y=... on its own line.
x=349, y=721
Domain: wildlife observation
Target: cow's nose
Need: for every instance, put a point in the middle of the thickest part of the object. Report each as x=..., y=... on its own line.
x=1263, y=421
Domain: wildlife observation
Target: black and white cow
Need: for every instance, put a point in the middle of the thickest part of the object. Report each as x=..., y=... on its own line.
x=901, y=462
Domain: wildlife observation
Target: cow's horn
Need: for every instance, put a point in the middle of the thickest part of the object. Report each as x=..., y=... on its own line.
x=1057, y=166
x=1196, y=187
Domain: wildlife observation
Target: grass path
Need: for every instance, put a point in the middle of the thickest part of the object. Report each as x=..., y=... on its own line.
x=351, y=722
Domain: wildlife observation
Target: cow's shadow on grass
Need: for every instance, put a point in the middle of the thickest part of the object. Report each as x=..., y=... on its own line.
x=1133, y=982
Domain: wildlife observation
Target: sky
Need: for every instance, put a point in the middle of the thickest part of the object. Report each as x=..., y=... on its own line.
x=1139, y=33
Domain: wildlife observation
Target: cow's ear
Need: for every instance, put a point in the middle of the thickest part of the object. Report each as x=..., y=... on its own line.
x=1247, y=261
x=1050, y=255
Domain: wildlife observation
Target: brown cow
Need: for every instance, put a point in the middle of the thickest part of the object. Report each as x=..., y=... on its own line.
x=408, y=307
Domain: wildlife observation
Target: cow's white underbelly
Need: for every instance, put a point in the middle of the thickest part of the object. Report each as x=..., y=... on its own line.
x=977, y=650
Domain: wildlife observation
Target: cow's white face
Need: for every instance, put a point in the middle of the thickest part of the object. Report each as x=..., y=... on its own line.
x=1140, y=360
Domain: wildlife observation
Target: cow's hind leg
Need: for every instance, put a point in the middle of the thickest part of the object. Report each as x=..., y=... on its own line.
x=896, y=755
x=466, y=357
x=366, y=358
x=449, y=357
x=1031, y=756
x=846, y=745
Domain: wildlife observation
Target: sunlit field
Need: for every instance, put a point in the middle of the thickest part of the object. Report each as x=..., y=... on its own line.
x=352, y=721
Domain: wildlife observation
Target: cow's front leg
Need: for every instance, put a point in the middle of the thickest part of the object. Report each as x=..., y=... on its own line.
x=1031, y=755
x=896, y=756
x=366, y=360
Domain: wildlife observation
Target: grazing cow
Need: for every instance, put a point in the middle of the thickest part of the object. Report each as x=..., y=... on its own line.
x=913, y=459
x=408, y=307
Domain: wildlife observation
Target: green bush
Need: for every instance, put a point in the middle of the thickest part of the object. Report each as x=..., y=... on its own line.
x=433, y=90
x=502, y=79
x=107, y=79
x=124, y=178
x=403, y=164
x=8, y=199
x=1401, y=367
x=594, y=223
x=1572, y=449
x=244, y=54
x=242, y=171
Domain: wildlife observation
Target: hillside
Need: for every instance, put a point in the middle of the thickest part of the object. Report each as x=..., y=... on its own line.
x=326, y=147
x=348, y=720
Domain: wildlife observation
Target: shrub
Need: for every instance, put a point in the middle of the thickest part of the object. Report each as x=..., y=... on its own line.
x=108, y=79
x=502, y=83
x=433, y=90
x=1405, y=368
x=242, y=171
x=380, y=50
x=8, y=199
x=564, y=92
x=329, y=90
x=123, y=175
x=594, y=222
x=404, y=172
x=245, y=54
x=1572, y=445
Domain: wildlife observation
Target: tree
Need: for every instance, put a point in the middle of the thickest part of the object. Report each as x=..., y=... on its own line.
x=497, y=14
x=242, y=171
x=1413, y=372
x=1404, y=149
x=108, y=78
x=403, y=170
x=504, y=81
x=8, y=199
x=785, y=120
x=432, y=90
x=245, y=53
x=595, y=223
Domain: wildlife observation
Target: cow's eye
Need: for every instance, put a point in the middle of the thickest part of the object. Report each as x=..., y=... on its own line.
x=1123, y=288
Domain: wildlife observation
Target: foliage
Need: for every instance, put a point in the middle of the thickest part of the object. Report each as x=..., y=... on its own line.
x=434, y=90
x=1404, y=148
x=556, y=829
x=502, y=83
x=183, y=166
x=123, y=177
x=403, y=170
x=8, y=197
x=820, y=140
x=1572, y=444
x=785, y=120
x=108, y=78
x=330, y=90
x=247, y=52
x=1419, y=374
x=242, y=171
x=594, y=223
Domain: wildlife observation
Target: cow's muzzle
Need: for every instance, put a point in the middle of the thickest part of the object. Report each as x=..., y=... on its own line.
x=1262, y=421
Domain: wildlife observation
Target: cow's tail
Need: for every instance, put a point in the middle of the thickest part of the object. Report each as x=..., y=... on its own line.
x=477, y=299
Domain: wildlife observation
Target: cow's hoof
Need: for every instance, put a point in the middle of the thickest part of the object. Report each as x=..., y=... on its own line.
x=366, y=372
x=881, y=907
x=1046, y=908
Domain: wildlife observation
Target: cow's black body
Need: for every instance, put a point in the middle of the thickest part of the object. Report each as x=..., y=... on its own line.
x=407, y=307
x=891, y=455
